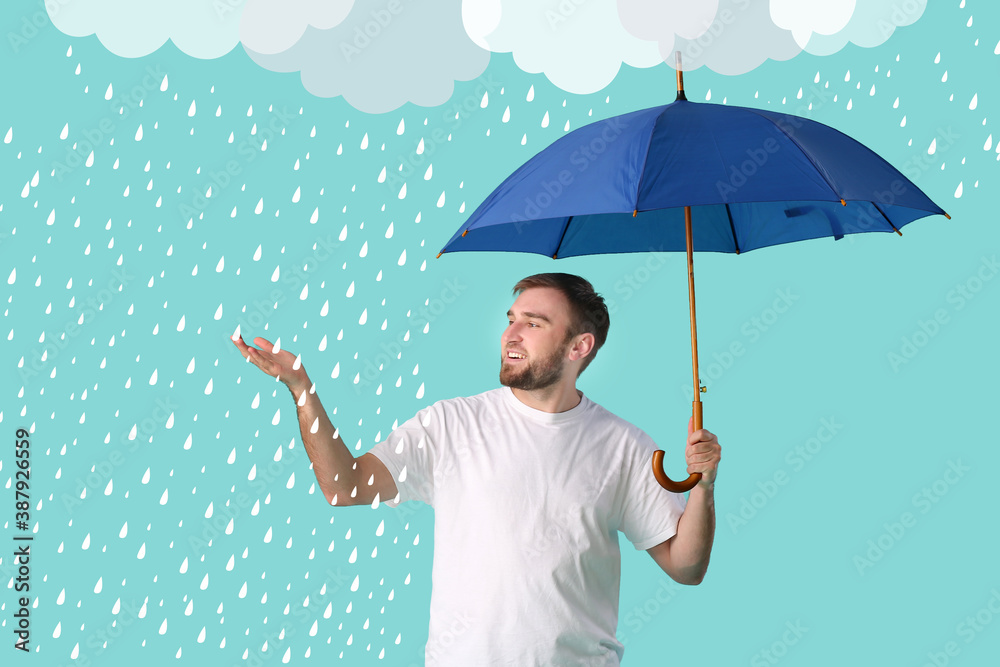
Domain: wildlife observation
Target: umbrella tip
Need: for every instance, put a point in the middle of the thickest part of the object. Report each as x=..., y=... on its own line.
x=439, y=254
x=680, y=78
x=464, y=233
x=843, y=202
x=947, y=216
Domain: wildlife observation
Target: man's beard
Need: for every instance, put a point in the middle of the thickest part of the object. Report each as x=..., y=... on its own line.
x=532, y=375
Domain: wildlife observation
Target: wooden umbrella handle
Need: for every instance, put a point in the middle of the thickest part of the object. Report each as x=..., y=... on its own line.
x=693, y=478
x=666, y=482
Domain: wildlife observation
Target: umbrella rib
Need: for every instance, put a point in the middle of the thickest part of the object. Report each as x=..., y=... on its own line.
x=645, y=157
x=819, y=169
x=729, y=213
x=736, y=243
x=879, y=209
x=555, y=255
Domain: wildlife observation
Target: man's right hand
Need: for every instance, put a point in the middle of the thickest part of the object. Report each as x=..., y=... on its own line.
x=280, y=364
x=343, y=479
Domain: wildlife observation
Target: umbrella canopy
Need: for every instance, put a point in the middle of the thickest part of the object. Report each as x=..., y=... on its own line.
x=752, y=178
x=635, y=183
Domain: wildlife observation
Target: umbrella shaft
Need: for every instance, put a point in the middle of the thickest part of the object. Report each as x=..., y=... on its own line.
x=696, y=405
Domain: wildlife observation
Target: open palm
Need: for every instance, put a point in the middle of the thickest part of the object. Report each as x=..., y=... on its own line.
x=279, y=364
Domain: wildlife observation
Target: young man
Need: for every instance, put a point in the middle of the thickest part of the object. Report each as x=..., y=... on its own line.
x=531, y=483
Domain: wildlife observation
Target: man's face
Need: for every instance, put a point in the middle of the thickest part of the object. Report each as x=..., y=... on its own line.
x=533, y=346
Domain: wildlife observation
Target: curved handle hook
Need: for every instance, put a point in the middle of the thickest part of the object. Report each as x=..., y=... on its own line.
x=666, y=482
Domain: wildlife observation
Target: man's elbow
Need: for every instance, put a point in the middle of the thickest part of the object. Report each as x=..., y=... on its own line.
x=688, y=578
x=335, y=496
x=335, y=491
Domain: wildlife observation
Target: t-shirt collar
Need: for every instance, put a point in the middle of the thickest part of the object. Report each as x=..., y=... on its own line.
x=541, y=415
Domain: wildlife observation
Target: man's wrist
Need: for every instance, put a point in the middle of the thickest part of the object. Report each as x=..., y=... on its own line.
x=298, y=385
x=708, y=488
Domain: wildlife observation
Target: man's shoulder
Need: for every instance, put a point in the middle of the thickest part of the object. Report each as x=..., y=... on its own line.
x=601, y=412
x=449, y=413
x=484, y=399
x=606, y=416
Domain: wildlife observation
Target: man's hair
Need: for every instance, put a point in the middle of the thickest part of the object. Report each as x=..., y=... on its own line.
x=588, y=312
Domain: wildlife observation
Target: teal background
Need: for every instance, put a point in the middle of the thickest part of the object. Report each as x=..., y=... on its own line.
x=288, y=579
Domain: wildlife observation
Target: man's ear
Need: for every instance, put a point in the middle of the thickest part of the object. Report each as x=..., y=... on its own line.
x=583, y=345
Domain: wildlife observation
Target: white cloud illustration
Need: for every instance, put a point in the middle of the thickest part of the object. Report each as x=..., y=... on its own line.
x=579, y=46
x=746, y=33
x=805, y=17
x=661, y=21
x=381, y=54
x=873, y=23
x=273, y=26
x=385, y=54
x=480, y=19
x=135, y=28
x=738, y=37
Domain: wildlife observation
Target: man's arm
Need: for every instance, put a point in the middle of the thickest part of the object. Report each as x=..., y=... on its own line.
x=685, y=555
x=343, y=479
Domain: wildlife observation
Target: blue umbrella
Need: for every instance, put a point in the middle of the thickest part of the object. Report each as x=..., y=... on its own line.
x=749, y=178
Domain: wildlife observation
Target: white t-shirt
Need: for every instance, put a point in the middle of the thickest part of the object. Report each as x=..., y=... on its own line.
x=528, y=505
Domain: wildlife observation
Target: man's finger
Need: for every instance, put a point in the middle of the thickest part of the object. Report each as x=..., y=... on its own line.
x=243, y=348
x=257, y=358
x=701, y=435
x=703, y=469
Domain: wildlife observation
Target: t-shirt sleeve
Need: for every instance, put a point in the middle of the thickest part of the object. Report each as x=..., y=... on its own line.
x=649, y=512
x=410, y=452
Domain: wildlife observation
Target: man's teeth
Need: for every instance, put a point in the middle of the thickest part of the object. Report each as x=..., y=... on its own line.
x=515, y=355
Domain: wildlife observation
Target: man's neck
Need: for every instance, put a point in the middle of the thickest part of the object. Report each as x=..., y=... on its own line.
x=556, y=398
